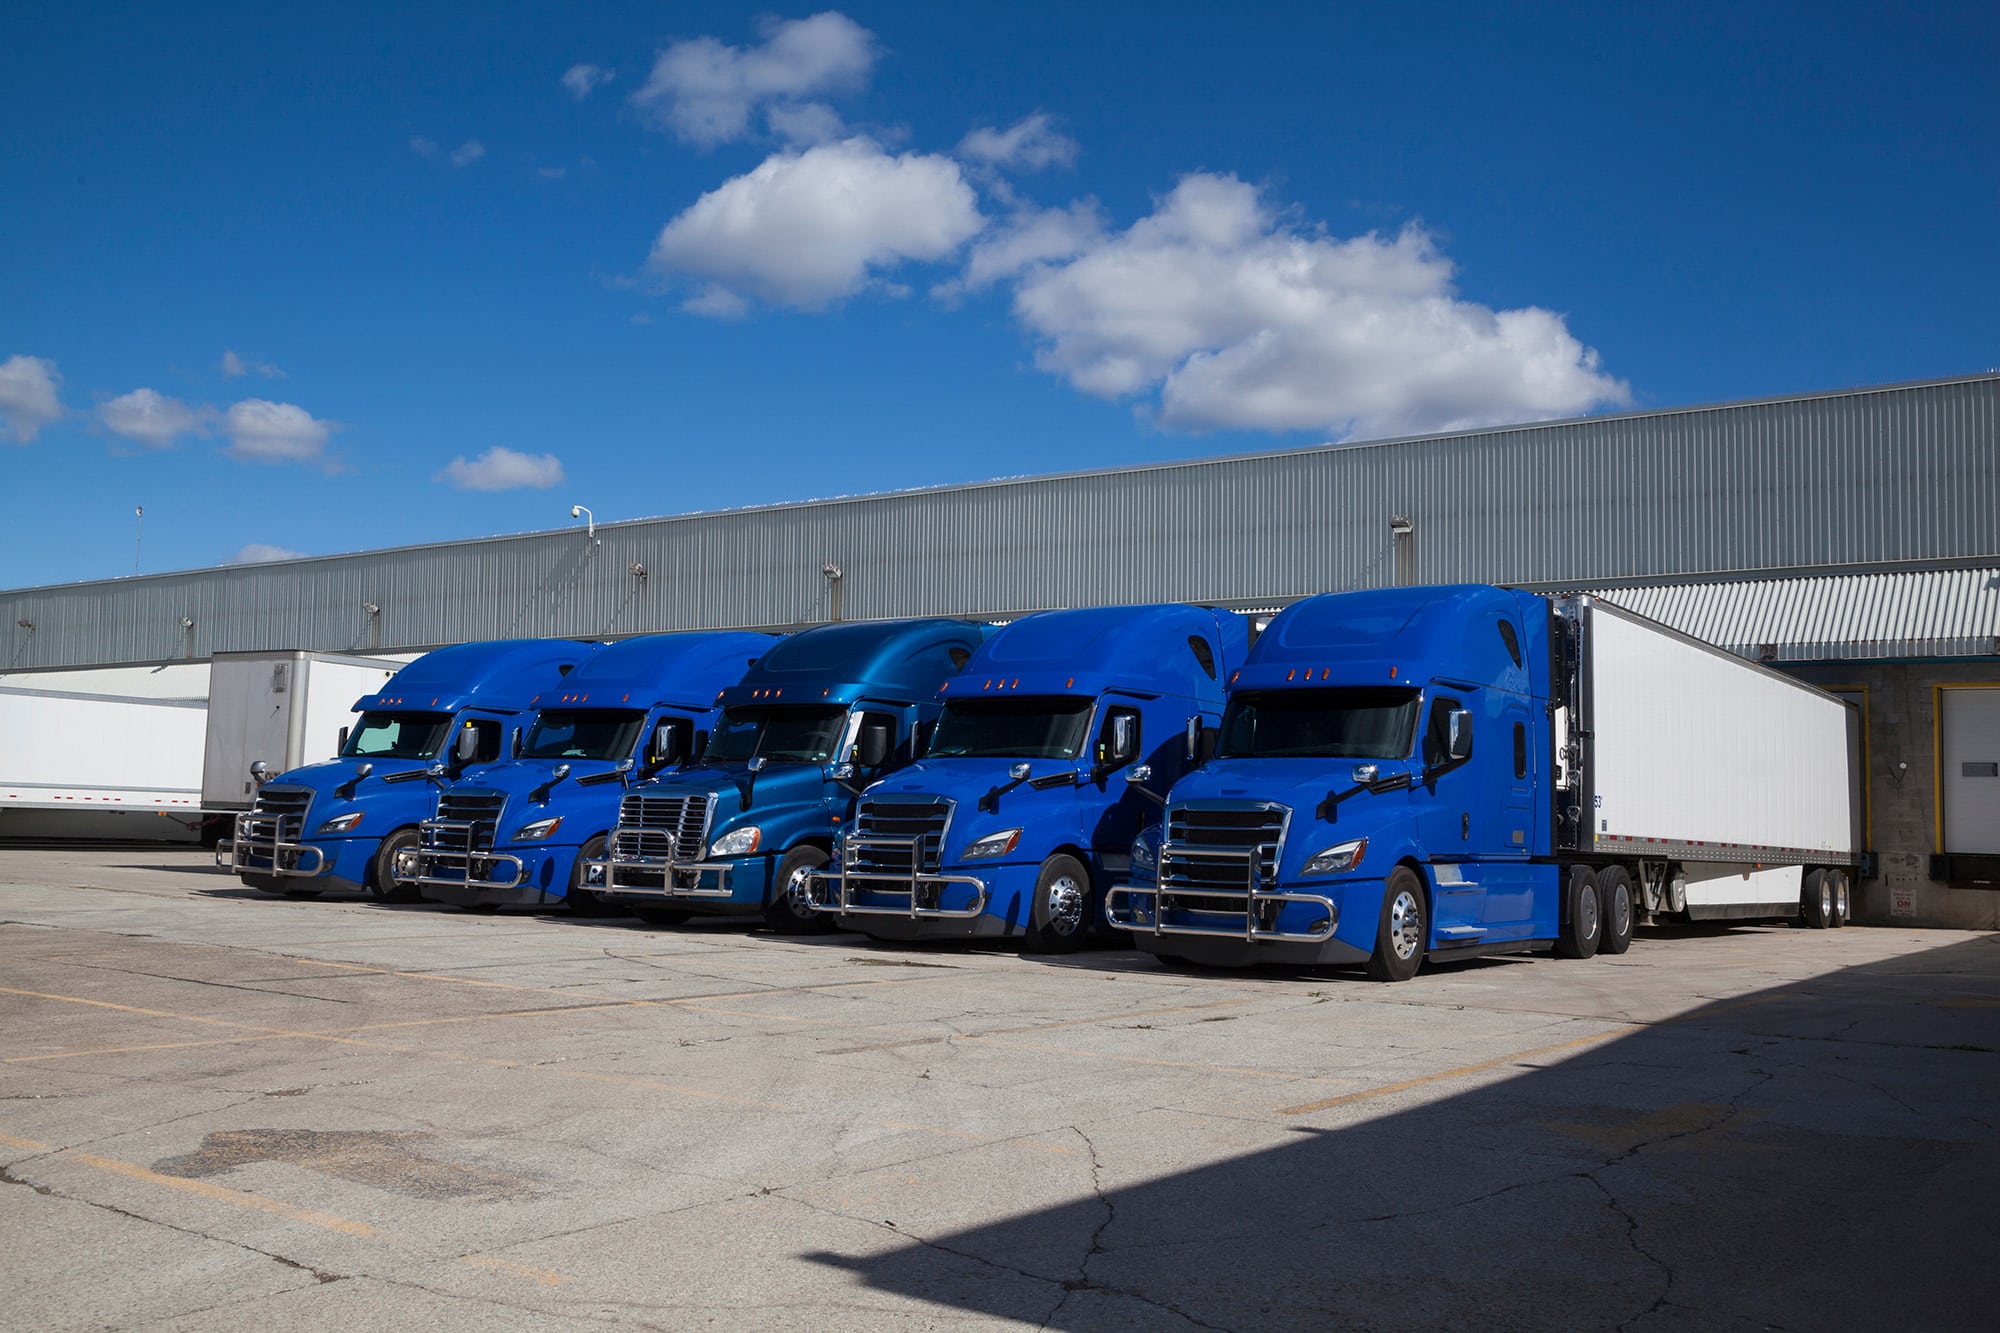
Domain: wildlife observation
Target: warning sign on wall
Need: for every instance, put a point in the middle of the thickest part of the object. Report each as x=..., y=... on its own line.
x=1902, y=900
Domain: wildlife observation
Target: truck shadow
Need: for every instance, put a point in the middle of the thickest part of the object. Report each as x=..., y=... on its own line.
x=1815, y=1155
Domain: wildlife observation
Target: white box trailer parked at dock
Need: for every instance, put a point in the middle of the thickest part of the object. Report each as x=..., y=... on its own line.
x=121, y=739
x=286, y=709
x=1735, y=775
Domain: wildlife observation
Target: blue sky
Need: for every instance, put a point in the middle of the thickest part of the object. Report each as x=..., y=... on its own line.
x=379, y=275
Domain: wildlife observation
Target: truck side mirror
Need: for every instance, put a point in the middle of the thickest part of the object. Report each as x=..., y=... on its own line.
x=1193, y=737
x=466, y=748
x=670, y=742
x=514, y=744
x=1200, y=741
x=1124, y=739
x=874, y=744
x=341, y=748
x=1458, y=734
x=920, y=739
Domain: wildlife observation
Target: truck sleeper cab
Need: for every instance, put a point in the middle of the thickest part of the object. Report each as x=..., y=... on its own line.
x=515, y=833
x=819, y=716
x=343, y=822
x=1020, y=811
x=1443, y=772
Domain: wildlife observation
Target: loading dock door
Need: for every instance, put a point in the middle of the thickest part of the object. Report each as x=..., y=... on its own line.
x=1969, y=770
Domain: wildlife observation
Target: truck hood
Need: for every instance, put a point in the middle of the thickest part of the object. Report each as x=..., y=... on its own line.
x=786, y=800
x=1303, y=784
x=584, y=810
x=388, y=804
x=1045, y=815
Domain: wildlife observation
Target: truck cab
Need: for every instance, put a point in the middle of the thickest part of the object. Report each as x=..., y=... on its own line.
x=513, y=833
x=819, y=717
x=341, y=823
x=1021, y=810
x=1379, y=792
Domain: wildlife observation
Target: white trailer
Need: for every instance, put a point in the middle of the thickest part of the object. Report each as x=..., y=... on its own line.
x=285, y=709
x=1723, y=781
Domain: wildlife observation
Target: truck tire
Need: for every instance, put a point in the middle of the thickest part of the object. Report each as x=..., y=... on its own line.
x=1614, y=896
x=579, y=900
x=658, y=916
x=1061, y=918
x=1816, y=900
x=1582, y=914
x=1842, y=907
x=787, y=913
x=382, y=881
x=1402, y=929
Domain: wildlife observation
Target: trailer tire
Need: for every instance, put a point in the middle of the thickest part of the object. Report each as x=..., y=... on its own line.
x=1614, y=896
x=1842, y=905
x=657, y=916
x=1402, y=928
x=382, y=881
x=579, y=900
x=787, y=912
x=1582, y=914
x=1816, y=900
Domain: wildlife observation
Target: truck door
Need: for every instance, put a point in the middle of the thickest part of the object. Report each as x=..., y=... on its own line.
x=1122, y=811
x=1451, y=803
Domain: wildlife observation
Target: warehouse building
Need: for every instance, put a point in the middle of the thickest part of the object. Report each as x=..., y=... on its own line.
x=1852, y=538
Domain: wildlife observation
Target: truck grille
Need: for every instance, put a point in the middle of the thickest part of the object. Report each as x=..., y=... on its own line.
x=913, y=830
x=667, y=828
x=1252, y=832
x=467, y=821
x=277, y=815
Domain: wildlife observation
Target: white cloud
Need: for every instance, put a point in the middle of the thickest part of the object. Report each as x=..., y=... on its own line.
x=806, y=228
x=805, y=122
x=704, y=91
x=28, y=398
x=584, y=79
x=502, y=469
x=266, y=432
x=235, y=367
x=257, y=553
x=552, y=173
x=1239, y=320
x=149, y=418
x=1030, y=144
x=423, y=147
x=1030, y=237
x=467, y=153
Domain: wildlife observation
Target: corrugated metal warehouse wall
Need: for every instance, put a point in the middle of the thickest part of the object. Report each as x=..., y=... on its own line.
x=1877, y=476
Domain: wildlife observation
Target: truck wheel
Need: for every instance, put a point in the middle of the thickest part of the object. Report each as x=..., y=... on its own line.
x=580, y=900
x=1064, y=909
x=1816, y=900
x=1402, y=929
x=1583, y=915
x=382, y=881
x=659, y=916
x=788, y=912
x=1842, y=913
x=1614, y=895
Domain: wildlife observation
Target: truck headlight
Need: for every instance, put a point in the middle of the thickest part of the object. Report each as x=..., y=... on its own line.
x=538, y=830
x=1336, y=860
x=992, y=845
x=338, y=824
x=737, y=842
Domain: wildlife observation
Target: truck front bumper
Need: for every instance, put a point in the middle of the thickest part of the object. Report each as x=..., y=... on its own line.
x=1310, y=924
x=915, y=905
x=257, y=850
x=715, y=887
x=526, y=877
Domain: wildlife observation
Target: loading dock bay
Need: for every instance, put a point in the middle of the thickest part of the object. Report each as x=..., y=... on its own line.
x=220, y=1110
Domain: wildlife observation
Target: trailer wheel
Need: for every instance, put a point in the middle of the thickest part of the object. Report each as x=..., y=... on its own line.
x=1842, y=908
x=1816, y=900
x=579, y=900
x=1064, y=910
x=1402, y=930
x=1582, y=914
x=788, y=913
x=382, y=881
x=657, y=916
x=1614, y=895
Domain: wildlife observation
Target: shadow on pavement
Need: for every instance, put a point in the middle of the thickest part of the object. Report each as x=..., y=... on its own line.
x=1818, y=1155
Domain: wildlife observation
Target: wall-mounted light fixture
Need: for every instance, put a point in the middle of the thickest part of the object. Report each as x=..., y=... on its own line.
x=831, y=573
x=25, y=624
x=1403, y=537
x=370, y=609
x=186, y=623
x=636, y=570
x=589, y=519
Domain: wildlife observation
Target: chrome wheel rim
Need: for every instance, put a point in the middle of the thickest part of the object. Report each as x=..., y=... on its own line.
x=1621, y=911
x=1825, y=901
x=1586, y=915
x=1065, y=905
x=795, y=892
x=1406, y=923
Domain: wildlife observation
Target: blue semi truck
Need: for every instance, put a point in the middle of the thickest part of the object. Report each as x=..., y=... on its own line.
x=1020, y=814
x=820, y=716
x=342, y=823
x=1442, y=772
x=514, y=833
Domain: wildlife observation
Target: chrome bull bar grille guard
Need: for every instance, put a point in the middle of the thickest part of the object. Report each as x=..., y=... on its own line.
x=453, y=845
x=268, y=842
x=835, y=891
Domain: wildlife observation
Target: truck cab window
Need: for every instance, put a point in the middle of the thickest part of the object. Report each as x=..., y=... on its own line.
x=781, y=735
x=1512, y=640
x=1520, y=751
x=1202, y=654
x=599, y=734
x=397, y=735
x=1018, y=727
x=1342, y=722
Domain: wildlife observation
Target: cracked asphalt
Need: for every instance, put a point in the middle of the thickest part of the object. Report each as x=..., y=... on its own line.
x=220, y=1110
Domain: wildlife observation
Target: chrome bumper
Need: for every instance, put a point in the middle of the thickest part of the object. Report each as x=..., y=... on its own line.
x=420, y=866
x=1143, y=908
x=840, y=901
x=286, y=858
x=615, y=874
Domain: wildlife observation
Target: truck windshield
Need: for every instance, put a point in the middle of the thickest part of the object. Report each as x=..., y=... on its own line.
x=1357, y=723
x=398, y=735
x=599, y=733
x=781, y=735
x=1016, y=728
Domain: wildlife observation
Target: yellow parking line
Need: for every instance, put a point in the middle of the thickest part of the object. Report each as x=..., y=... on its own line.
x=541, y=1276
x=1404, y=1085
x=155, y=1046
